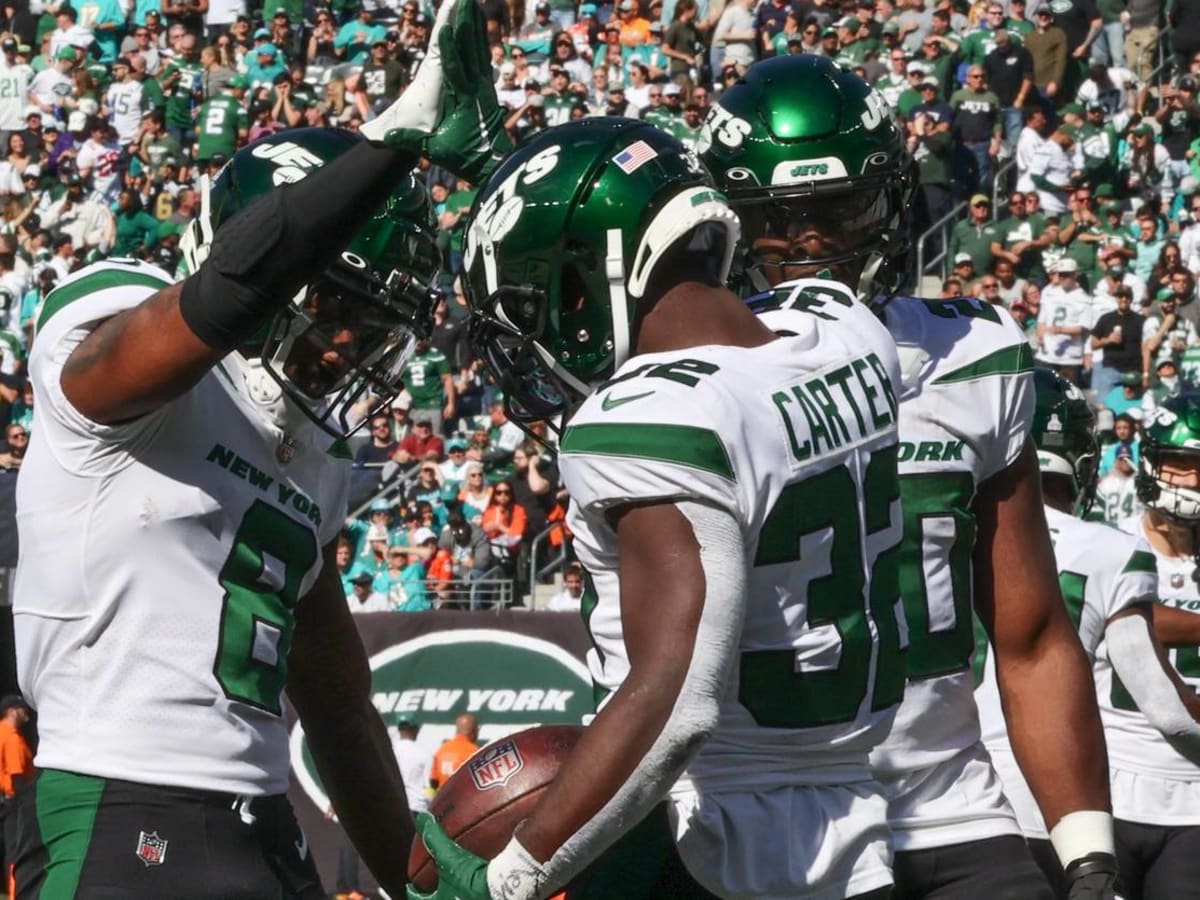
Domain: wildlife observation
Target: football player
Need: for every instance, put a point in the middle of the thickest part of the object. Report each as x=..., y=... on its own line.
x=815, y=167
x=1156, y=782
x=1109, y=583
x=179, y=515
x=734, y=503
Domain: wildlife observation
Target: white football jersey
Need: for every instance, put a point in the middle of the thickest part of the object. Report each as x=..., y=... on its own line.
x=797, y=440
x=1101, y=571
x=1169, y=792
x=966, y=407
x=1067, y=309
x=161, y=560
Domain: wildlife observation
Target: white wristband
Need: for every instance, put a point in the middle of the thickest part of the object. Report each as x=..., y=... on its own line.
x=515, y=875
x=1082, y=832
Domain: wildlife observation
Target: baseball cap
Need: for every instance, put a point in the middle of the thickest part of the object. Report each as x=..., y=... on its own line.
x=403, y=401
x=846, y=22
x=1074, y=109
x=380, y=505
x=1112, y=206
x=829, y=32
x=587, y=9
x=980, y=198
x=1164, y=362
x=930, y=80
x=261, y=33
x=423, y=423
x=1123, y=450
x=33, y=170
x=266, y=50
x=166, y=228
x=1095, y=106
x=9, y=44
x=656, y=27
x=1143, y=128
x=403, y=721
x=65, y=53
x=33, y=111
x=455, y=445
x=1187, y=83
x=421, y=535
x=1065, y=265
x=1069, y=130
x=77, y=121
x=1044, y=10
x=542, y=7
x=362, y=579
x=421, y=20
x=962, y=258
x=508, y=68
x=916, y=68
x=671, y=90
x=1116, y=271
x=627, y=6
x=377, y=533
x=123, y=61
x=616, y=88
x=238, y=81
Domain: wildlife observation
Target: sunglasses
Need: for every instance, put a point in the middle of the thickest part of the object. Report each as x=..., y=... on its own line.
x=987, y=285
x=810, y=31
x=502, y=493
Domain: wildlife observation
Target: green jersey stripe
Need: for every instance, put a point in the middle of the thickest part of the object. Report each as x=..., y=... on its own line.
x=697, y=448
x=1141, y=561
x=1005, y=361
x=90, y=284
x=66, y=806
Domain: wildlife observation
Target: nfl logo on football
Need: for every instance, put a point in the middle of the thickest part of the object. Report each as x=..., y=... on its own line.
x=494, y=766
x=151, y=849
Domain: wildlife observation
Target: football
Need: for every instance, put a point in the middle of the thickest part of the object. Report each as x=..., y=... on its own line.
x=481, y=803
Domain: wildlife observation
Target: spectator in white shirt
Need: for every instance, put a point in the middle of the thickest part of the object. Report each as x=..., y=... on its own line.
x=1051, y=167
x=571, y=595
x=413, y=762
x=736, y=35
x=1028, y=142
x=1064, y=320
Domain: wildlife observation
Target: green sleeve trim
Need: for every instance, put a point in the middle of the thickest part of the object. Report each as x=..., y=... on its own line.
x=90, y=284
x=1141, y=562
x=687, y=445
x=1013, y=360
x=66, y=806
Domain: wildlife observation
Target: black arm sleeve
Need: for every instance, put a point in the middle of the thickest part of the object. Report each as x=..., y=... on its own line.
x=262, y=256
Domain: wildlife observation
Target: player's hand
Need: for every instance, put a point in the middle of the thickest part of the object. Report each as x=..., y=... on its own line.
x=1092, y=878
x=461, y=874
x=450, y=113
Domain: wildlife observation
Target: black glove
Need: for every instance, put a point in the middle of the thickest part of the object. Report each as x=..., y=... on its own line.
x=1092, y=877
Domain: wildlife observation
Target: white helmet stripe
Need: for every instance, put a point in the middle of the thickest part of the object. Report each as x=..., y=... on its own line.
x=614, y=268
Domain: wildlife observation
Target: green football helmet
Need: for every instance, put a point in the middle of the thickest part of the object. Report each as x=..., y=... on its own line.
x=817, y=169
x=1064, y=432
x=371, y=306
x=563, y=246
x=1171, y=433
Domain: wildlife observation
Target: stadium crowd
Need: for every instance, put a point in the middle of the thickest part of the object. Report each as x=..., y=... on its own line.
x=112, y=110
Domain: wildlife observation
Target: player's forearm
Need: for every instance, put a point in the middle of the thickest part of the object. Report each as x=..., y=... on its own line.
x=1053, y=723
x=359, y=771
x=1176, y=628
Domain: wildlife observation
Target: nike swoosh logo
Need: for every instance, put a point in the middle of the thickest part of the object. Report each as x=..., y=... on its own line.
x=611, y=402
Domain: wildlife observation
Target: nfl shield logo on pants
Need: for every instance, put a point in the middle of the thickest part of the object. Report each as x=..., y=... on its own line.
x=151, y=849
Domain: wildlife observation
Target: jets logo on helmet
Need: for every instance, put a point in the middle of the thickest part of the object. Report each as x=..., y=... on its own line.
x=370, y=306
x=1171, y=438
x=555, y=283
x=817, y=170
x=1064, y=433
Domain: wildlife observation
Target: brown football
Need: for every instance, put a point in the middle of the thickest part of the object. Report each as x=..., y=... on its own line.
x=481, y=803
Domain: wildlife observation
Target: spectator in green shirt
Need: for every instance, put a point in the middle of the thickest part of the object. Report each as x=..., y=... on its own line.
x=182, y=81
x=137, y=230
x=431, y=383
x=975, y=234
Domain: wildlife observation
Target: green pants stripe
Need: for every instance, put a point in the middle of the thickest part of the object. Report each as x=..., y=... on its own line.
x=66, y=813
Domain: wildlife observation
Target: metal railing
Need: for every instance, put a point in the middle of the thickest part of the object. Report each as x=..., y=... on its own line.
x=492, y=589
x=942, y=226
x=558, y=557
